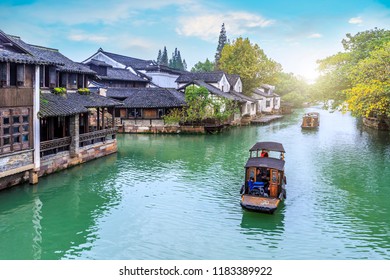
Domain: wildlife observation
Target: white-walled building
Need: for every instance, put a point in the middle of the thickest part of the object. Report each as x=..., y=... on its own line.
x=267, y=100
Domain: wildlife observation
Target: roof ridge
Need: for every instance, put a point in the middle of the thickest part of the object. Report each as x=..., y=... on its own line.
x=44, y=48
x=125, y=56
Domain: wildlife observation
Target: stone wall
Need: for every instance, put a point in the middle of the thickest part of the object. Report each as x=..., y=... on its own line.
x=14, y=168
x=13, y=180
x=63, y=160
x=157, y=126
x=15, y=160
x=377, y=123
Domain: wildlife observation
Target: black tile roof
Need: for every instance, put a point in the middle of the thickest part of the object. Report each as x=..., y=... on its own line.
x=119, y=74
x=52, y=105
x=164, y=69
x=232, y=78
x=135, y=63
x=243, y=97
x=208, y=77
x=12, y=51
x=98, y=63
x=10, y=56
x=93, y=100
x=262, y=93
x=212, y=90
x=55, y=57
x=148, y=97
x=72, y=103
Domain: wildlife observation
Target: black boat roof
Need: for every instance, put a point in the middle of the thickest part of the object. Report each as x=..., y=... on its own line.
x=266, y=162
x=270, y=146
x=312, y=114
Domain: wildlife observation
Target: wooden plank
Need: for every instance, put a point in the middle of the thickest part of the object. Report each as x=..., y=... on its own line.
x=15, y=97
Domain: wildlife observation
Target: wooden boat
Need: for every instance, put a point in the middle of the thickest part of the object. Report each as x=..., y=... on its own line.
x=265, y=182
x=311, y=120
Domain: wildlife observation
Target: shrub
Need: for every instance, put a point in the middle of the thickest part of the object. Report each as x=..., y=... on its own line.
x=85, y=91
x=59, y=90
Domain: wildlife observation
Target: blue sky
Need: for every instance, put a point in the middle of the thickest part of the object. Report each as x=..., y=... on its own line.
x=293, y=33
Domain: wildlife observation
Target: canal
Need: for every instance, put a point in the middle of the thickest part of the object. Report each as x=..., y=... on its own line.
x=177, y=197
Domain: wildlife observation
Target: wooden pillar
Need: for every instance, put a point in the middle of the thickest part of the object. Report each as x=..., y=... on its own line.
x=113, y=117
x=98, y=118
x=273, y=183
x=103, y=118
x=75, y=135
x=36, y=125
x=33, y=177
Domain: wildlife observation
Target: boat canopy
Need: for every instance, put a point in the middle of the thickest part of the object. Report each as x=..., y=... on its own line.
x=266, y=162
x=270, y=146
x=312, y=115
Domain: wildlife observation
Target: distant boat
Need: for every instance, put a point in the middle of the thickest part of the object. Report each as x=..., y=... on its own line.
x=311, y=120
x=265, y=181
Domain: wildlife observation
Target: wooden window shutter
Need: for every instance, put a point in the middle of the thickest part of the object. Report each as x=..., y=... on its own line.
x=20, y=74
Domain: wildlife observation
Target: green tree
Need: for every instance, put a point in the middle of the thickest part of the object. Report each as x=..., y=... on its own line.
x=370, y=93
x=206, y=66
x=222, y=40
x=293, y=89
x=288, y=82
x=201, y=106
x=159, y=57
x=179, y=61
x=250, y=62
x=341, y=74
x=164, y=57
x=176, y=62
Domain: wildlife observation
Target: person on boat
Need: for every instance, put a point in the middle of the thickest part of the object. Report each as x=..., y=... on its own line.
x=250, y=184
x=259, y=175
x=263, y=176
x=264, y=153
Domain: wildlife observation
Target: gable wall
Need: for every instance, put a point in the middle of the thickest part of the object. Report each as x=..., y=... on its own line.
x=223, y=84
x=106, y=59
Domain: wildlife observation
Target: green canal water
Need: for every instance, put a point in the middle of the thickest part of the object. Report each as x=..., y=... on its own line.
x=177, y=197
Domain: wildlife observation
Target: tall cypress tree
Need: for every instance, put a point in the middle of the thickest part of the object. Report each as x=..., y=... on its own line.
x=221, y=43
x=184, y=65
x=179, y=62
x=164, y=57
x=159, y=57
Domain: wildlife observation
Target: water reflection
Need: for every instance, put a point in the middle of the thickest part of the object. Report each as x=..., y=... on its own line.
x=37, y=232
x=64, y=210
x=177, y=197
x=254, y=223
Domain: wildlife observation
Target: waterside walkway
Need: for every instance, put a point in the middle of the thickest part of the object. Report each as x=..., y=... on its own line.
x=266, y=119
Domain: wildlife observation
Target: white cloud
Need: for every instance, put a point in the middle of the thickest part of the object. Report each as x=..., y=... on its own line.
x=141, y=43
x=314, y=36
x=88, y=37
x=355, y=20
x=207, y=27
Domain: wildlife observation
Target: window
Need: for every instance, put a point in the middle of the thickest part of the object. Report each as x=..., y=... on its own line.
x=72, y=81
x=135, y=113
x=20, y=75
x=63, y=80
x=3, y=74
x=160, y=113
x=268, y=103
x=15, y=129
x=12, y=74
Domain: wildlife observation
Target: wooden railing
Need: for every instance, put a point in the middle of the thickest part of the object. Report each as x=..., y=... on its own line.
x=63, y=144
x=55, y=146
x=97, y=136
